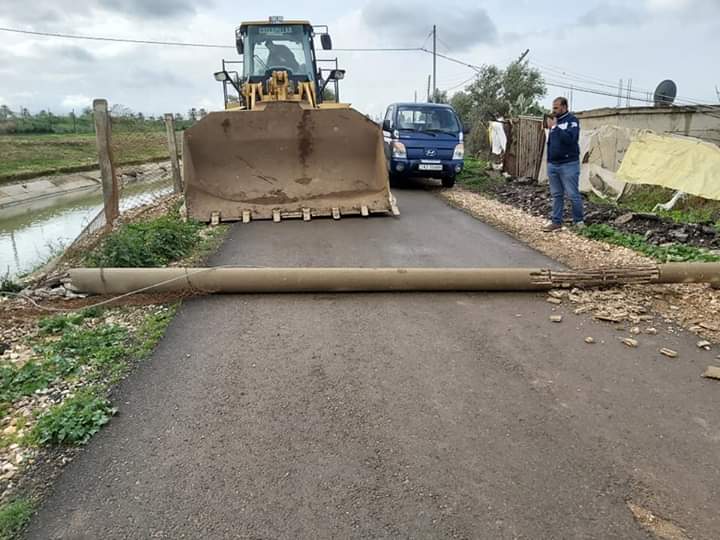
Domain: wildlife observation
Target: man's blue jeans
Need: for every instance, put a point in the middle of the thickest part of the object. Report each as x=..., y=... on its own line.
x=565, y=180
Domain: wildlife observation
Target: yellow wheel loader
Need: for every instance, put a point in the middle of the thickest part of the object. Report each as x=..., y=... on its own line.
x=283, y=147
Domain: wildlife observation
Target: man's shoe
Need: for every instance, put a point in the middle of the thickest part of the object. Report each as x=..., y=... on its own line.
x=552, y=227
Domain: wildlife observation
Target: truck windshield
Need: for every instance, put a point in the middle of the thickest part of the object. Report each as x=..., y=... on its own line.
x=278, y=47
x=432, y=119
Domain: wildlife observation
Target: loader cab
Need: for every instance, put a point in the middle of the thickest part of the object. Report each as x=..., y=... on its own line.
x=277, y=47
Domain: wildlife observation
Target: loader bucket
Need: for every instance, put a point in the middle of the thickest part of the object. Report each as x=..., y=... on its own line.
x=284, y=161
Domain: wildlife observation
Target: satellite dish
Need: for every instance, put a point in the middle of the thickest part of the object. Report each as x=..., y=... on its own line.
x=665, y=93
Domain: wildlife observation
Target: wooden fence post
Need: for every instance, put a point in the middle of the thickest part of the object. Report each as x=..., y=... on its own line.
x=103, y=137
x=172, y=147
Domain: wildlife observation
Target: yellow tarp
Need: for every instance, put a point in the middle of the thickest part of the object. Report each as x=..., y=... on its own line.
x=680, y=163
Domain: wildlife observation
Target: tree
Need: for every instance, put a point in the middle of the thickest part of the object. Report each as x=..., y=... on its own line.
x=178, y=117
x=5, y=113
x=440, y=96
x=192, y=114
x=498, y=93
x=202, y=113
x=463, y=105
x=328, y=94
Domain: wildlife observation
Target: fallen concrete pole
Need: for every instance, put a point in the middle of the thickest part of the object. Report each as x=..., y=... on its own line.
x=289, y=280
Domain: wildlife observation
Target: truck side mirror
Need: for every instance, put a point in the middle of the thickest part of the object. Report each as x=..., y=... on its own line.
x=386, y=125
x=326, y=41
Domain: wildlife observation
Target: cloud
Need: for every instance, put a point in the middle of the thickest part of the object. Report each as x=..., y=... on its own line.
x=459, y=28
x=76, y=101
x=54, y=14
x=610, y=15
x=73, y=52
x=150, y=8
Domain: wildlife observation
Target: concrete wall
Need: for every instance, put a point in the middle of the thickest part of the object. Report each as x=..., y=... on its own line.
x=700, y=122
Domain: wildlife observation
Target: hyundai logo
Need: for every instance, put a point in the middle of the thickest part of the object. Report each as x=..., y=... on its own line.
x=431, y=152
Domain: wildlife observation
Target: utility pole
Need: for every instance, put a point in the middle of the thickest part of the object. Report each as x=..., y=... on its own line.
x=523, y=55
x=434, y=94
x=620, y=89
x=428, y=96
x=629, y=92
x=717, y=91
x=415, y=96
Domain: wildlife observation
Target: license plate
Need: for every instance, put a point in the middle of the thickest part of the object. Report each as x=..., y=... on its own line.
x=430, y=167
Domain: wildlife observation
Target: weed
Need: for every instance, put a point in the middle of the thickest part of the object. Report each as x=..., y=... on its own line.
x=74, y=421
x=13, y=517
x=664, y=253
x=98, y=350
x=147, y=244
x=8, y=285
x=59, y=323
x=152, y=329
x=474, y=176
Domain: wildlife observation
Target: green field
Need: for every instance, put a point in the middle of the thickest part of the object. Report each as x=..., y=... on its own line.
x=26, y=156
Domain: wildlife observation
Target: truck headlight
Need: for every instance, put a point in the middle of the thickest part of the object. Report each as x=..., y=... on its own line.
x=398, y=150
x=459, y=152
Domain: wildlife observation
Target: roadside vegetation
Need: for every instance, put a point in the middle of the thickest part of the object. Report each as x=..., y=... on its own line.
x=688, y=210
x=476, y=177
x=674, y=252
x=147, y=243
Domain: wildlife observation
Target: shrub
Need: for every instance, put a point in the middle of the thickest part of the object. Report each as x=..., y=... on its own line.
x=147, y=244
x=74, y=421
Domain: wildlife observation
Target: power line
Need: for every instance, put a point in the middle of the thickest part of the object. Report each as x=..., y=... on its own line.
x=116, y=40
x=181, y=43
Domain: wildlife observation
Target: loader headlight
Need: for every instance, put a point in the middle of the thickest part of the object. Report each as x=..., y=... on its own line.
x=398, y=150
x=459, y=152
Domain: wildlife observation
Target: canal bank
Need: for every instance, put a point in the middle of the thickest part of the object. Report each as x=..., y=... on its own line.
x=37, y=224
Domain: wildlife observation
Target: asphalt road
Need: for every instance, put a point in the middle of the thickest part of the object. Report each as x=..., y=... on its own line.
x=395, y=415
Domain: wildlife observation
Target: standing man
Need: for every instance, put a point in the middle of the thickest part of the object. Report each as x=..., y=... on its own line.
x=564, y=165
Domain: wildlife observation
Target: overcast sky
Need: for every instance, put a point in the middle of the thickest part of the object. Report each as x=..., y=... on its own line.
x=583, y=43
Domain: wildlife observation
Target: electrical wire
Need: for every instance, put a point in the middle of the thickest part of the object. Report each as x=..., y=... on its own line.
x=179, y=43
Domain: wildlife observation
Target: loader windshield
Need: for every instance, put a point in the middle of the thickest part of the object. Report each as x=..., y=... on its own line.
x=278, y=47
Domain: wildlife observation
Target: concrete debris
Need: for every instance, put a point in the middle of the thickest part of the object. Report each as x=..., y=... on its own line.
x=695, y=302
x=553, y=300
x=712, y=372
x=555, y=293
x=589, y=340
x=630, y=342
x=651, y=331
x=704, y=344
x=635, y=330
x=668, y=352
x=556, y=318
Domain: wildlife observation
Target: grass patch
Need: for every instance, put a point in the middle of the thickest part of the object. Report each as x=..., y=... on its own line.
x=644, y=199
x=98, y=351
x=74, y=421
x=152, y=330
x=25, y=156
x=475, y=177
x=13, y=518
x=147, y=244
x=664, y=253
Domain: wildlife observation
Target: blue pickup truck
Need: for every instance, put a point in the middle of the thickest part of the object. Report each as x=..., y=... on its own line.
x=423, y=139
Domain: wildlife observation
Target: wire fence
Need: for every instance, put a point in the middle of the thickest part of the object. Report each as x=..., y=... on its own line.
x=139, y=166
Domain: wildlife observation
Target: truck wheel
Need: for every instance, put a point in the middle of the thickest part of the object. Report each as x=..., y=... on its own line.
x=448, y=181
